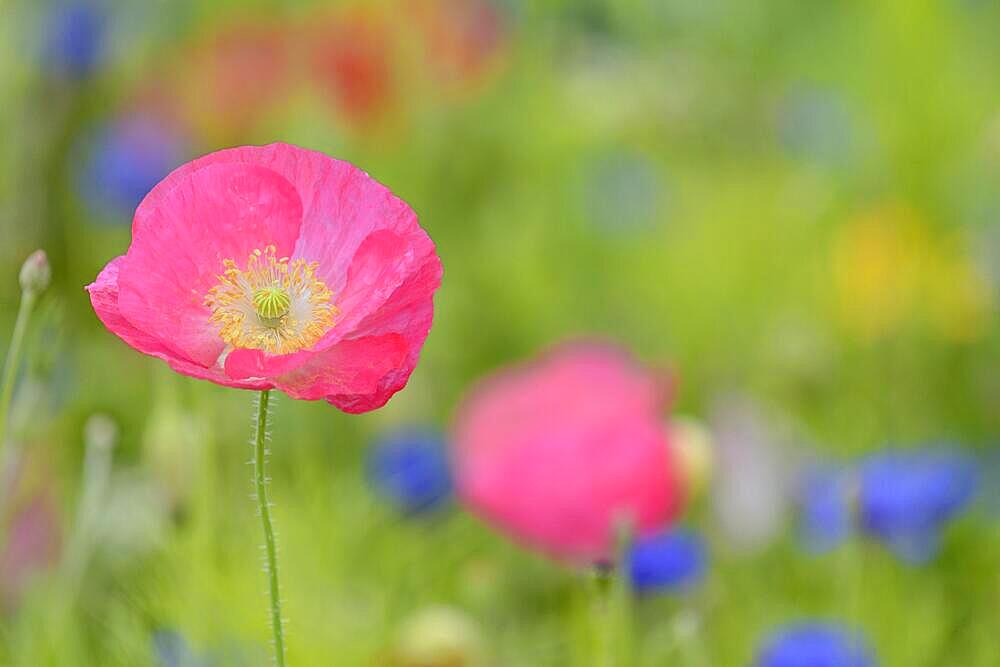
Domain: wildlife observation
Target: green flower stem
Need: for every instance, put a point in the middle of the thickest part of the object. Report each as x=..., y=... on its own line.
x=97, y=466
x=264, y=508
x=602, y=610
x=611, y=606
x=12, y=362
x=687, y=637
x=6, y=391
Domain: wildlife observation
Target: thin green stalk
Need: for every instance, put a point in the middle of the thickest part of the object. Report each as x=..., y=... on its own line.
x=12, y=362
x=611, y=606
x=264, y=508
x=97, y=465
x=80, y=549
x=604, y=617
x=687, y=635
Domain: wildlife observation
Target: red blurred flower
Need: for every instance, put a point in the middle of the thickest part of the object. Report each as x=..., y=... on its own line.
x=352, y=62
x=233, y=76
x=462, y=39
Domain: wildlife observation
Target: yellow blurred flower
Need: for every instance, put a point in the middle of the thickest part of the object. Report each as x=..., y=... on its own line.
x=889, y=271
x=877, y=262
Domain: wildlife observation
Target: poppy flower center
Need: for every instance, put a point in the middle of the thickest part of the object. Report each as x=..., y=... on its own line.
x=272, y=304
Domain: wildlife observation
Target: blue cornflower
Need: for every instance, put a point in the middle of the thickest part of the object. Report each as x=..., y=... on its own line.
x=410, y=468
x=901, y=498
x=825, y=507
x=73, y=38
x=125, y=160
x=906, y=497
x=675, y=560
x=815, y=645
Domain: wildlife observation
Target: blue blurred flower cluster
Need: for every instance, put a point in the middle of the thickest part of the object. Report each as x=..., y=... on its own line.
x=825, y=507
x=409, y=468
x=815, y=645
x=125, y=159
x=170, y=648
x=900, y=498
x=73, y=38
x=672, y=561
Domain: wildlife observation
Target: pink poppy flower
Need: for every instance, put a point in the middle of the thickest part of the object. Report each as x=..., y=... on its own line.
x=558, y=451
x=276, y=267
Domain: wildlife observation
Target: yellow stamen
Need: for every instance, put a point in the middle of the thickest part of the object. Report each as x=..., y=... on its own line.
x=272, y=304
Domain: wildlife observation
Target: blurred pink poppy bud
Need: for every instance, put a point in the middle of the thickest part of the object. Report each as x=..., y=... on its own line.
x=35, y=273
x=560, y=451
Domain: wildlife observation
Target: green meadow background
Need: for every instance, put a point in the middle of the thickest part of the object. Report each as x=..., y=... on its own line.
x=793, y=203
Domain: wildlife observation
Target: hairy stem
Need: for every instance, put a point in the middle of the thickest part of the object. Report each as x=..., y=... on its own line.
x=264, y=508
x=12, y=362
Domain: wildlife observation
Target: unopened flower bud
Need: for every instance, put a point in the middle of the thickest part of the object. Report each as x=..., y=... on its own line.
x=35, y=273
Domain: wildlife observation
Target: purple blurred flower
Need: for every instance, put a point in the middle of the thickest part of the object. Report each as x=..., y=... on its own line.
x=815, y=645
x=31, y=545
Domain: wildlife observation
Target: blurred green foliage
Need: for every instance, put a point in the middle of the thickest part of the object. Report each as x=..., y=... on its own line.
x=675, y=175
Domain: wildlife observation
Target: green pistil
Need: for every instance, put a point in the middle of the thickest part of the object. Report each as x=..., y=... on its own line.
x=272, y=304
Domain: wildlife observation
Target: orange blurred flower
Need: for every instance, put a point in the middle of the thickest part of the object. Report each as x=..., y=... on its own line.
x=462, y=40
x=233, y=76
